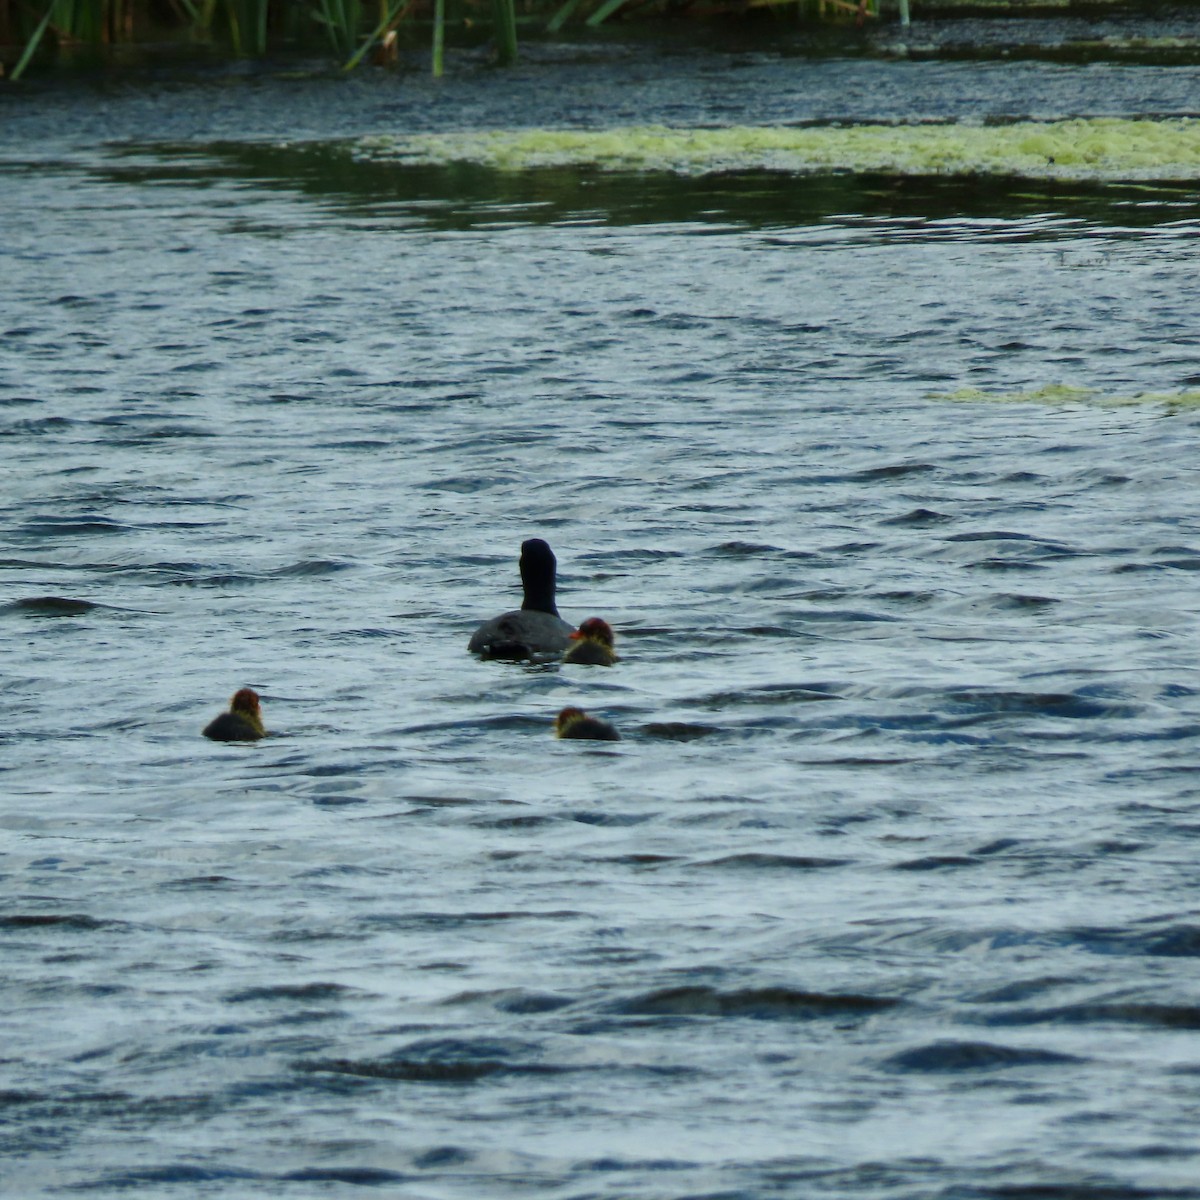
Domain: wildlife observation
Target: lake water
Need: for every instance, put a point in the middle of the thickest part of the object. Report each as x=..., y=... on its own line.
x=888, y=484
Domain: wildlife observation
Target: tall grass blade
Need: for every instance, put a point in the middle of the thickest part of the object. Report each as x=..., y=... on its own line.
x=605, y=11
x=561, y=17
x=341, y=19
x=439, y=37
x=235, y=31
x=389, y=15
x=260, y=28
x=506, y=31
x=33, y=43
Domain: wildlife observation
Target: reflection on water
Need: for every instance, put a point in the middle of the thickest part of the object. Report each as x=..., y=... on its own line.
x=466, y=195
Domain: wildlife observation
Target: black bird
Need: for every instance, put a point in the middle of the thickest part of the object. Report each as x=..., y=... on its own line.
x=535, y=627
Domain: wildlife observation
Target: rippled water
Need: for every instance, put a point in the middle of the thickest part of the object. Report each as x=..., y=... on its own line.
x=889, y=488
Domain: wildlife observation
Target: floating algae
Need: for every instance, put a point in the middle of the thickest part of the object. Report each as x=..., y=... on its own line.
x=1062, y=395
x=1102, y=149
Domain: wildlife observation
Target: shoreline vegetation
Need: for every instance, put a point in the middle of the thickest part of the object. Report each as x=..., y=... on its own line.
x=50, y=33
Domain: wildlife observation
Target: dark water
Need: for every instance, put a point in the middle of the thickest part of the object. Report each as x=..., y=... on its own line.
x=889, y=890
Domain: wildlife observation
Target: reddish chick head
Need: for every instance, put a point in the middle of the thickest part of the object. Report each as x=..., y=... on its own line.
x=245, y=701
x=567, y=716
x=595, y=628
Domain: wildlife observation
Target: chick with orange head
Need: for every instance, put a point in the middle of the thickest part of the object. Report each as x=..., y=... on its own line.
x=592, y=643
x=575, y=723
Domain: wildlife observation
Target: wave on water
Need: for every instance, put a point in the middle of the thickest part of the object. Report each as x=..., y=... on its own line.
x=1098, y=148
x=974, y=1056
x=888, y=890
x=48, y=606
x=443, y=1060
x=765, y=1003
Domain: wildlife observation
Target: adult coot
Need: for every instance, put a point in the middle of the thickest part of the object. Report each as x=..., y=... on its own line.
x=535, y=627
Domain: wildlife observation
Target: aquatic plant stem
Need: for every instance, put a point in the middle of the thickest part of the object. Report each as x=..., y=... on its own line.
x=33, y=43
x=605, y=11
x=439, y=37
x=561, y=17
x=389, y=15
x=506, y=31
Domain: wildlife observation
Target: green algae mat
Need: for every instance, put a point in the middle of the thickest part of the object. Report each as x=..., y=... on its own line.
x=1093, y=149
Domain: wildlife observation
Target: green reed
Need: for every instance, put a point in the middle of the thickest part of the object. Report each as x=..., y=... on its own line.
x=383, y=36
x=342, y=20
x=350, y=28
x=251, y=28
x=504, y=15
x=83, y=22
x=439, y=37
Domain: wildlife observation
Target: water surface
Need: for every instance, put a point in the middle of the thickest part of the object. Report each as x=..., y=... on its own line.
x=888, y=486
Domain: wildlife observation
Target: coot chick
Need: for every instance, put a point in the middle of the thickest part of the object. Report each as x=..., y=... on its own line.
x=534, y=628
x=575, y=723
x=242, y=723
x=592, y=644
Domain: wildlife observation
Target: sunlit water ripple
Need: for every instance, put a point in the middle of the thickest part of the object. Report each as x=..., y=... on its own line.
x=889, y=488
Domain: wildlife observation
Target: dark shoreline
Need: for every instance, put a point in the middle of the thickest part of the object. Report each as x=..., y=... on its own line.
x=983, y=27
x=1130, y=63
